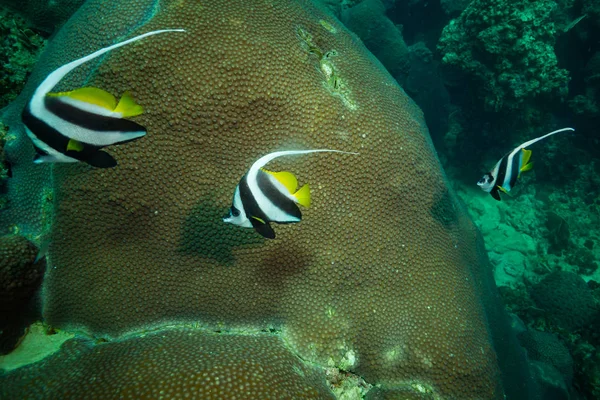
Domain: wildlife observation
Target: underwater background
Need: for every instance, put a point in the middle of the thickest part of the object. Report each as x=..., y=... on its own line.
x=125, y=283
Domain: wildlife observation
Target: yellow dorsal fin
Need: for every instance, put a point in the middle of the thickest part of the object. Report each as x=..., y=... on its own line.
x=303, y=196
x=287, y=179
x=74, y=145
x=128, y=107
x=90, y=95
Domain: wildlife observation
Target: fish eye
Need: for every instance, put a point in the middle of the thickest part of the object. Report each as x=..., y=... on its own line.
x=234, y=211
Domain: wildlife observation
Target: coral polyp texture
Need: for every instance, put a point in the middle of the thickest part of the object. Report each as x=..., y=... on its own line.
x=384, y=276
x=177, y=363
x=20, y=275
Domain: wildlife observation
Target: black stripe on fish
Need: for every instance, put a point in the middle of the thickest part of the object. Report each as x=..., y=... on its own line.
x=45, y=133
x=501, y=172
x=495, y=192
x=251, y=207
x=265, y=184
x=89, y=120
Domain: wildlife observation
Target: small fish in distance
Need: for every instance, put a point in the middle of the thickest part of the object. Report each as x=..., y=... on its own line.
x=505, y=173
x=263, y=196
x=74, y=126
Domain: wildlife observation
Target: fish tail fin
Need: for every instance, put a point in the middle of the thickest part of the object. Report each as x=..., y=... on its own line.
x=525, y=164
x=128, y=106
x=526, y=157
x=527, y=167
x=303, y=196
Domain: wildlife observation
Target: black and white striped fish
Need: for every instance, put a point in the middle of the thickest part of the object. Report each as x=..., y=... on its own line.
x=263, y=196
x=505, y=173
x=74, y=126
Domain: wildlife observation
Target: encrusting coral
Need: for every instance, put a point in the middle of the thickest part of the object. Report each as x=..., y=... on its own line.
x=171, y=364
x=384, y=277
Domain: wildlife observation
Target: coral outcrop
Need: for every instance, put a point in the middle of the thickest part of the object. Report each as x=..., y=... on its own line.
x=20, y=275
x=545, y=347
x=19, y=50
x=385, y=277
x=380, y=35
x=43, y=14
x=507, y=48
x=20, y=278
x=176, y=363
x=566, y=299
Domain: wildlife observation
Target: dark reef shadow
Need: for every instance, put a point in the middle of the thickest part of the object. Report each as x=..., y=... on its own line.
x=205, y=235
x=443, y=210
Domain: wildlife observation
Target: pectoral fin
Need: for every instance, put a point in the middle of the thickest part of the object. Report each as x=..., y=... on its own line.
x=502, y=189
x=74, y=145
x=262, y=227
x=90, y=95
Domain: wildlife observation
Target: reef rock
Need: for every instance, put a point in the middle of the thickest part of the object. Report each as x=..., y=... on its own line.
x=508, y=47
x=43, y=14
x=546, y=347
x=385, y=277
x=20, y=278
x=207, y=366
x=566, y=299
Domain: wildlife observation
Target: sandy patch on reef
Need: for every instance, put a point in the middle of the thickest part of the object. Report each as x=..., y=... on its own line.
x=36, y=346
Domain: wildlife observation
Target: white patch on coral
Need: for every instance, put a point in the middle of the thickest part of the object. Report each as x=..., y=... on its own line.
x=36, y=346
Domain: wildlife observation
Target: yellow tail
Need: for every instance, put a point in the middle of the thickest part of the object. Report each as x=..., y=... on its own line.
x=128, y=107
x=303, y=196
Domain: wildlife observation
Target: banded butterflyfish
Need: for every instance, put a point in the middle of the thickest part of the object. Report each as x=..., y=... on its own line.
x=504, y=175
x=264, y=196
x=74, y=126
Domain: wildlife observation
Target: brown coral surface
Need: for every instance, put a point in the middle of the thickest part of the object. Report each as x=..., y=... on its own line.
x=180, y=363
x=20, y=275
x=380, y=277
